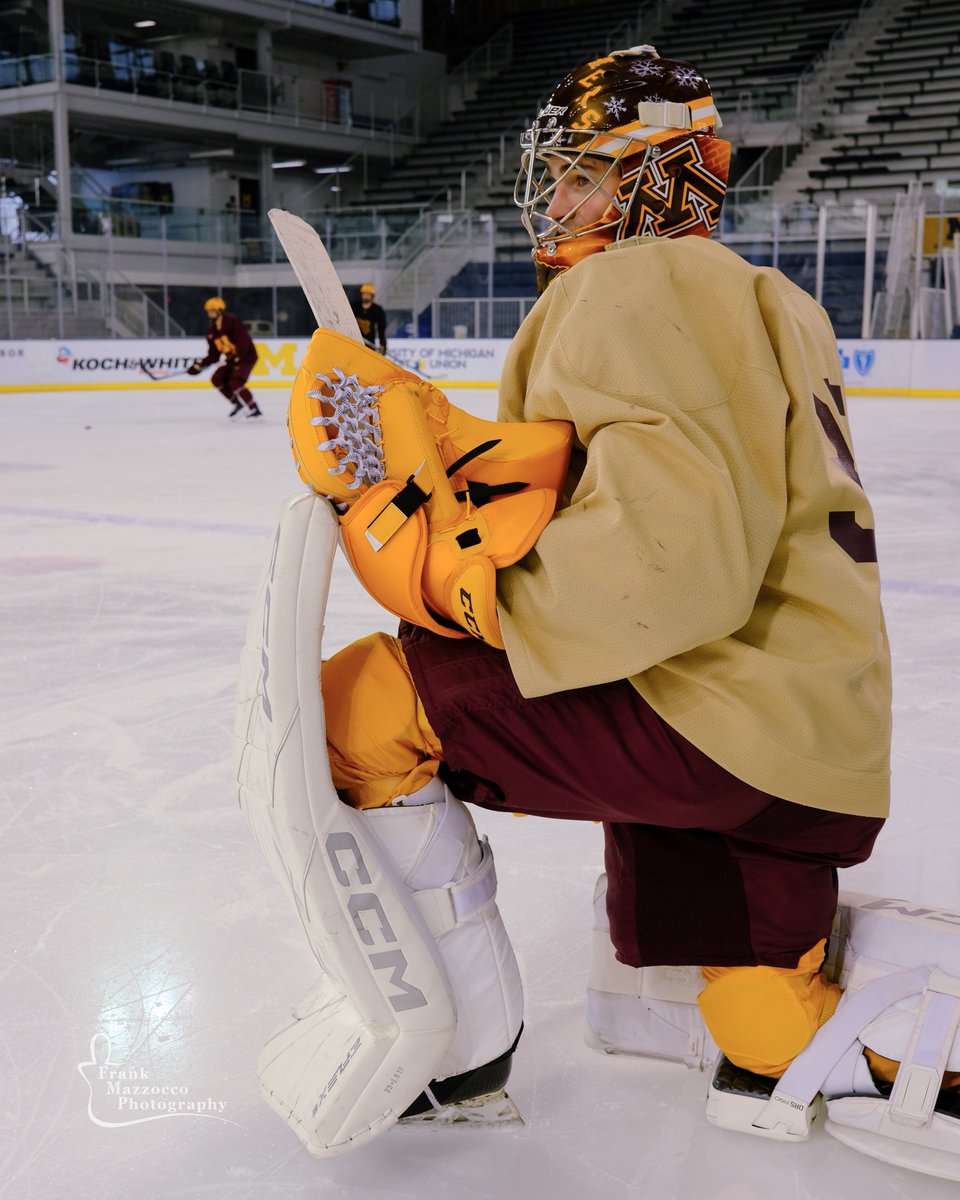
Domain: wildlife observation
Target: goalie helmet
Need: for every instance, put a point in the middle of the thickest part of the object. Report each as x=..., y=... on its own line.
x=635, y=130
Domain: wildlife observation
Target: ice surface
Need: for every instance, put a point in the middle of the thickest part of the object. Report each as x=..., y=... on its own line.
x=139, y=916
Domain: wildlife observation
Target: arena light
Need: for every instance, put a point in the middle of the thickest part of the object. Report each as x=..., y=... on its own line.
x=342, y=170
x=289, y=162
x=145, y=24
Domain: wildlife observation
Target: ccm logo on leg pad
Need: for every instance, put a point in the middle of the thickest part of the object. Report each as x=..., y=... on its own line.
x=367, y=902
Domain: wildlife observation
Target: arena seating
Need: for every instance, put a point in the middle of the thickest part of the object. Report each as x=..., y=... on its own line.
x=752, y=55
x=906, y=90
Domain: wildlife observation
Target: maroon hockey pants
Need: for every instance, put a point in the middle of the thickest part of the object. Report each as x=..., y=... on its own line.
x=230, y=380
x=701, y=867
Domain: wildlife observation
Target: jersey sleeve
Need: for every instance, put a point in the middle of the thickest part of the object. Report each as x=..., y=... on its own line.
x=665, y=538
x=213, y=354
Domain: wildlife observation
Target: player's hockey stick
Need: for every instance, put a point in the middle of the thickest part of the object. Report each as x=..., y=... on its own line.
x=317, y=276
x=159, y=377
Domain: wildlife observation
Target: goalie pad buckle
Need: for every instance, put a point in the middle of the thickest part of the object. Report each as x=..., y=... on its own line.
x=740, y=1101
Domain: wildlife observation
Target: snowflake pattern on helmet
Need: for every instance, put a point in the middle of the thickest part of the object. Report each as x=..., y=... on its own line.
x=687, y=76
x=615, y=107
x=645, y=68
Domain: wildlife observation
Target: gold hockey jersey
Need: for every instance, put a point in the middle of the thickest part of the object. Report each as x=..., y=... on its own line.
x=716, y=546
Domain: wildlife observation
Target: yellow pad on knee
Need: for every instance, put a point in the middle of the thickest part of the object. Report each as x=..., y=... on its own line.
x=380, y=743
x=762, y=1017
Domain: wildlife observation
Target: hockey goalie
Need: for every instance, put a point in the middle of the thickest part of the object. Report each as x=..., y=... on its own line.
x=647, y=595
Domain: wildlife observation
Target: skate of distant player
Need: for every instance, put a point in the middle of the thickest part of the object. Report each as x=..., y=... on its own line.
x=229, y=340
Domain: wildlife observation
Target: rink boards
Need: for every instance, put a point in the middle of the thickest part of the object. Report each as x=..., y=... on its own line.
x=913, y=369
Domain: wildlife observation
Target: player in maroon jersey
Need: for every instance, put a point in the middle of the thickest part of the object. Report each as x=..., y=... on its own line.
x=228, y=338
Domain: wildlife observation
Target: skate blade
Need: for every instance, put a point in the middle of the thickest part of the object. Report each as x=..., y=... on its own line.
x=495, y=1108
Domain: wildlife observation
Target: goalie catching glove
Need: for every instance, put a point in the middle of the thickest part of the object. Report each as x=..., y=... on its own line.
x=436, y=500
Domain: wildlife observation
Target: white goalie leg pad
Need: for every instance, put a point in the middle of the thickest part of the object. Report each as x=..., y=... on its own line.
x=900, y=966
x=362, y=1045
x=451, y=876
x=647, y=1011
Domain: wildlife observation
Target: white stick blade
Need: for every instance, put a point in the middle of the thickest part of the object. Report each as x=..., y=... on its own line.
x=315, y=273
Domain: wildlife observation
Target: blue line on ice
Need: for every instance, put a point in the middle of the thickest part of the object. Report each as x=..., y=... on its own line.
x=61, y=514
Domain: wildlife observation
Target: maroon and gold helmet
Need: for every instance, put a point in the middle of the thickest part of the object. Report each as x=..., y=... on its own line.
x=641, y=130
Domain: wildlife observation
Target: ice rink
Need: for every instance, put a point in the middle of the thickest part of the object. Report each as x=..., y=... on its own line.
x=143, y=933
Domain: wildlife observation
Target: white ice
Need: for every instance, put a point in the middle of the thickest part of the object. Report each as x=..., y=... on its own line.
x=136, y=906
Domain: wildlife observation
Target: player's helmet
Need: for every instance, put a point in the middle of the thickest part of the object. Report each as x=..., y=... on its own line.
x=367, y=289
x=214, y=305
x=640, y=130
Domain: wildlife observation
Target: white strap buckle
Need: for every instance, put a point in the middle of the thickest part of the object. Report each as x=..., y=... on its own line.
x=665, y=112
x=918, y=1081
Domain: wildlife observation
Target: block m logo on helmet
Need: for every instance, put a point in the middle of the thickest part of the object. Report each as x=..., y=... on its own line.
x=678, y=191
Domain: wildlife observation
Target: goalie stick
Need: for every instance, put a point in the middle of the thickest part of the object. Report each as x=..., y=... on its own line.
x=317, y=276
x=315, y=273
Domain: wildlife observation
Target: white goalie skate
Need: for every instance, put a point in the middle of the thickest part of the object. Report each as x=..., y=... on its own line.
x=419, y=1004
x=899, y=964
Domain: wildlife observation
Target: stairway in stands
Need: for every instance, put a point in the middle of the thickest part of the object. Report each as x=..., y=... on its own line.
x=746, y=50
x=545, y=44
x=893, y=117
